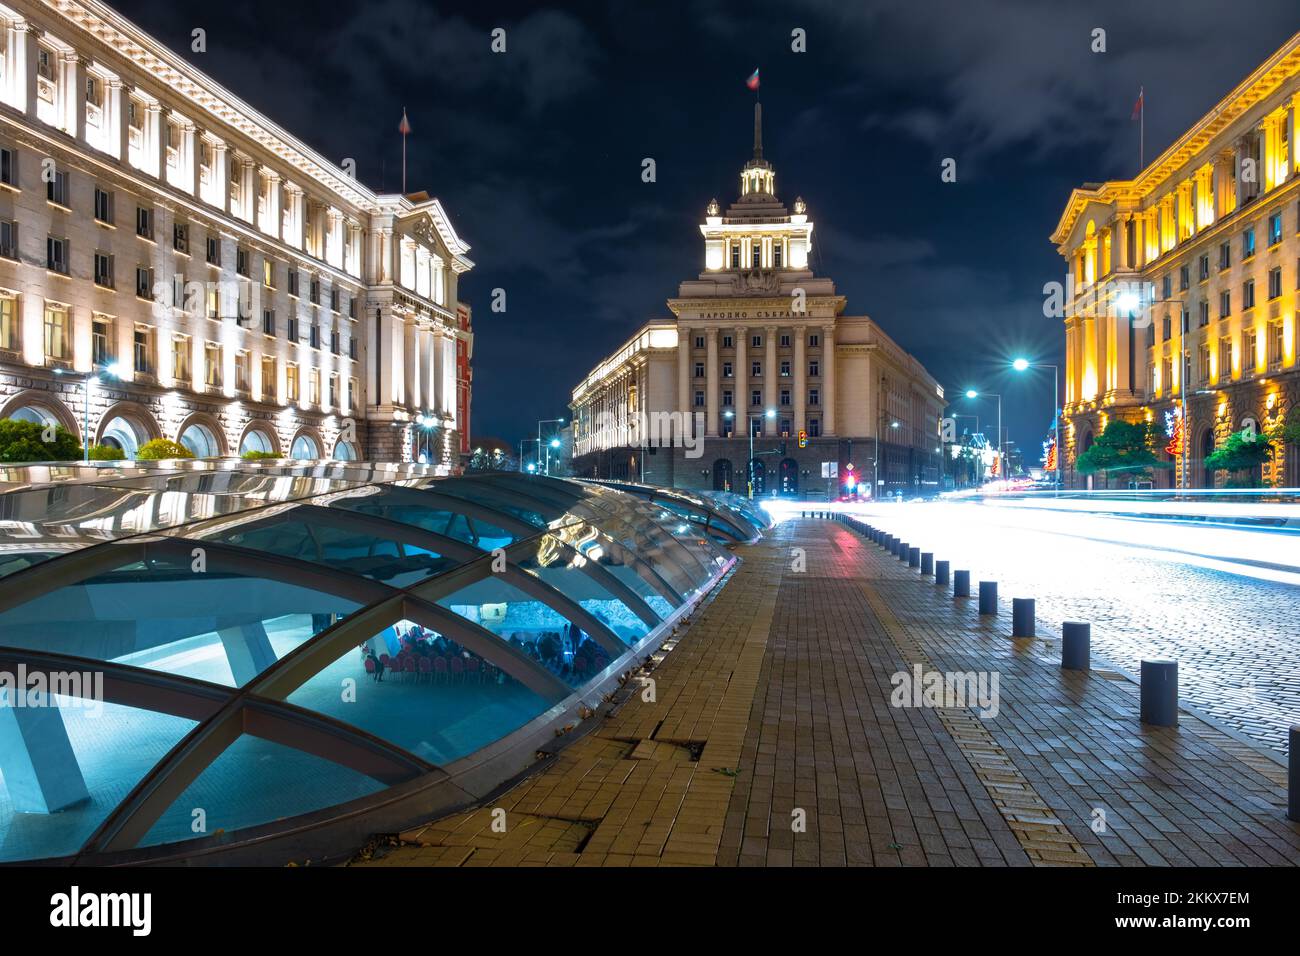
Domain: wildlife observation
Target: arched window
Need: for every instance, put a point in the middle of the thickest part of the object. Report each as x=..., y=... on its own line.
x=345, y=451
x=33, y=413
x=200, y=441
x=121, y=433
x=305, y=448
x=256, y=440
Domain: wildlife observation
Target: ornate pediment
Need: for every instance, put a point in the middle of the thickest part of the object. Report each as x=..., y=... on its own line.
x=757, y=282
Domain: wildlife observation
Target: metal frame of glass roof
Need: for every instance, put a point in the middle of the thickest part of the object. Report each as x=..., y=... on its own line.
x=73, y=542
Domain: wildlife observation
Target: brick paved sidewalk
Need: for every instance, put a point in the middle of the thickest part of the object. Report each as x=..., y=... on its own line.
x=772, y=741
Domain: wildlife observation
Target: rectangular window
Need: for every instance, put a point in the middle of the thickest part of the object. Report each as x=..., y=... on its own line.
x=699, y=341
x=243, y=368
x=181, y=360
x=213, y=251
x=212, y=365
x=814, y=341
x=9, y=239
x=1204, y=307
x=314, y=290
x=814, y=396
x=352, y=348
x=1165, y=287
x=268, y=321
x=1248, y=243
x=1225, y=359
x=1225, y=255
x=735, y=255
x=756, y=341
x=103, y=270
x=726, y=341
x=1248, y=294
x=268, y=272
x=726, y=398
x=142, y=350
x=1184, y=278
x=814, y=427
x=756, y=369
x=56, y=190
x=181, y=237
x=144, y=222
x=268, y=378
x=776, y=256
x=699, y=370
x=352, y=393
x=334, y=391
x=335, y=339
x=699, y=398
x=10, y=339
x=1275, y=282
x=143, y=282
x=1249, y=350
x=785, y=368
x=352, y=309
x=8, y=167
x=334, y=300
x=1204, y=271
x=1275, y=344
x=1225, y=304
x=243, y=264
x=56, y=255
x=214, y=302
x=103, y=205
x=101, y=338
x=814, y=369
x=290, y=383
x=755, y=397
x=785, y=341
x=58, y=343
x=313, y=336
x=291, y=328
x=726, y=370
x=785, y=428
x=785, y=396
x=1166, y=329
x=1203, y=363
x=756, y=254
x=1275, y=229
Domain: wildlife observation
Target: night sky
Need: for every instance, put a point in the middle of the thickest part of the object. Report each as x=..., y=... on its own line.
x=536, y=153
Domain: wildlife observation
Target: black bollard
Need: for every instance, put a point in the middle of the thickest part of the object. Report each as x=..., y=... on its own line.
x=913, y=557
x=988, y=597
x=1293, y=776
x=903, y=548
x=961, y=584
x=927, y=562
x=1076, y=645
x=1022, y=617
x=941, y=572
x=1160, y=693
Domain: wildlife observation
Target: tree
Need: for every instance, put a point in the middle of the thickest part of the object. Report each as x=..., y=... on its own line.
x=1243, y=451
x=1288, y=430
x=159, y=449
x=25, y=441
x=1123, y=448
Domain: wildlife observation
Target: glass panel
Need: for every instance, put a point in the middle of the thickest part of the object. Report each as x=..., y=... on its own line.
x=531, y=626
x=64, y=768
x=451, y=524
x=564, y=570
x=380, y=559
x=423, y=692
x=481, y=493
x=212, y=626
x=256, y=781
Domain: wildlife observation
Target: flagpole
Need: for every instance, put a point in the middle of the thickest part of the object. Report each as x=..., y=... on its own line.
x=1142, y=130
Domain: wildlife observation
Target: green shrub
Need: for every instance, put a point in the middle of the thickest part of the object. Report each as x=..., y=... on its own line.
x=158, y=449
x=25, y=441
x=260, y=455
x=106, y=453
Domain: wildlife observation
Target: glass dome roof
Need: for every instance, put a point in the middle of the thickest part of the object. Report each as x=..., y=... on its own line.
x=208, y=653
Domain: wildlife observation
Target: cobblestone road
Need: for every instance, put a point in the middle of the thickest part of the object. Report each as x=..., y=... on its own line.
x=1236, y=638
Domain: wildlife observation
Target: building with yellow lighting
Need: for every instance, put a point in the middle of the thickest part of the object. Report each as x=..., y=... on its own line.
x=759, y=344
x=1183, y=285
x=174, y=264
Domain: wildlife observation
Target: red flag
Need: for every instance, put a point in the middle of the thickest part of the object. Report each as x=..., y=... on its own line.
x=405, y=126
x=752, y=82
x=1137, y=107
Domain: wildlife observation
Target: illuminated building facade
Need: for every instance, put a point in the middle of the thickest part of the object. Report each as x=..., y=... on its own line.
x=758, y=342
x=1184, y=285
x=207, y=276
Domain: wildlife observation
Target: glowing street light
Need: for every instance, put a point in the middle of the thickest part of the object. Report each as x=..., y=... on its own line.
x=1022, y=364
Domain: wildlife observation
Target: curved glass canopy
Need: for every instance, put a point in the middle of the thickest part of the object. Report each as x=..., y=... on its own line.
x=232, y=645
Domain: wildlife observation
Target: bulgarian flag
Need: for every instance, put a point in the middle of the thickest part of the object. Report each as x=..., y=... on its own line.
x=752, y=82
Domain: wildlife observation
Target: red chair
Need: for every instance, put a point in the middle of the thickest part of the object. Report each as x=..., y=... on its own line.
x=439, y=667
x=412, y=665
x=370, y=665
x=426, y=668
x=472, y=669
x=385, y=660
x=457, y=667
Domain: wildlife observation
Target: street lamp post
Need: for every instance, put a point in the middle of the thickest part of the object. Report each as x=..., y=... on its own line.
x=112, y=370
x=1002, y=464
x=1021, y=365
x=749, y=427
x=540, y=423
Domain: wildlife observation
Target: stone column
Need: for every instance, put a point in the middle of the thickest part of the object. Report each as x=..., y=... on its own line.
x=410, y=387
x=828, y=380
x=770, y=377
x=432, y=377
x=684, y=404
x=711, y=383
x=800, y=387
x=740, y=391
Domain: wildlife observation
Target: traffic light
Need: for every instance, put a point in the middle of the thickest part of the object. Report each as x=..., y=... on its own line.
x=803, y=438
x=851, y=479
